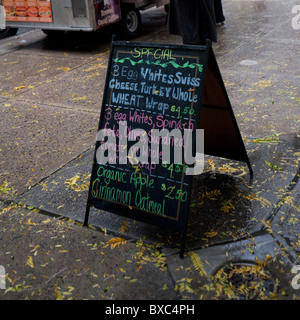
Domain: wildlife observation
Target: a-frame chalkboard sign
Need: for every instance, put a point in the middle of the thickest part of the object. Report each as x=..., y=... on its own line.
x=154, y=86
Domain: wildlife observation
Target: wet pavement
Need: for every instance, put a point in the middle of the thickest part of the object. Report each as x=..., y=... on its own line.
x=50, y=98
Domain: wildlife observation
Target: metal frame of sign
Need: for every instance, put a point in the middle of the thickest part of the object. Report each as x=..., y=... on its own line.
x=171, y=209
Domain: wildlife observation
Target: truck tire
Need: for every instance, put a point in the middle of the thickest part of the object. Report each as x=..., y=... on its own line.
x=131, y=21
x=8, y=32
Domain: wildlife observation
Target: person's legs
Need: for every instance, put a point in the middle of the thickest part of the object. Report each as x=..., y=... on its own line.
x=219, y=12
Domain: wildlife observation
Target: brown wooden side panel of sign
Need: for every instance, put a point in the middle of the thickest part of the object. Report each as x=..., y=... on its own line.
x=222, y=135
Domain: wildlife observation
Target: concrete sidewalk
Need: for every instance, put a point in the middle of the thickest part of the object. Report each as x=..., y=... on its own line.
x=241, y=230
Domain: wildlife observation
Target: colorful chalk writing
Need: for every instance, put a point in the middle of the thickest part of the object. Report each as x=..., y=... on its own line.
x=156, y=91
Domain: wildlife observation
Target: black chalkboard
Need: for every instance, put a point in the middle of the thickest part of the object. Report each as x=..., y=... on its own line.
x=155, y=86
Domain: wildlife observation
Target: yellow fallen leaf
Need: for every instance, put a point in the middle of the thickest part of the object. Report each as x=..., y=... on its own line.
x=90, y=76
x=122, y=270
x=64, y=68
x=29, y=262
x=35, y=248
x=18, y=88
x=31, y=223
x=12, y=62
x=210, y=234
x=6, y=94
x=80, y=98
x=114, y=242
x=44, y=69
x=57, y=293
x=46, y=221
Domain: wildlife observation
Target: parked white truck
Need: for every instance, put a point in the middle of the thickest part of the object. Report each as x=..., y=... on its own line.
x=54, y=16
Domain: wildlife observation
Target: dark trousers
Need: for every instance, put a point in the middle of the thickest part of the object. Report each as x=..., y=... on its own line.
x=219, y=11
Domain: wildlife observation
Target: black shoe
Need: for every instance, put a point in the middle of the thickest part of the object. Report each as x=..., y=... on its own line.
x=220, y=24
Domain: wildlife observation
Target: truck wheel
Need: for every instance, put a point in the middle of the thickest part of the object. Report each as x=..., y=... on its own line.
x=8, y=32
x=131, y=21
